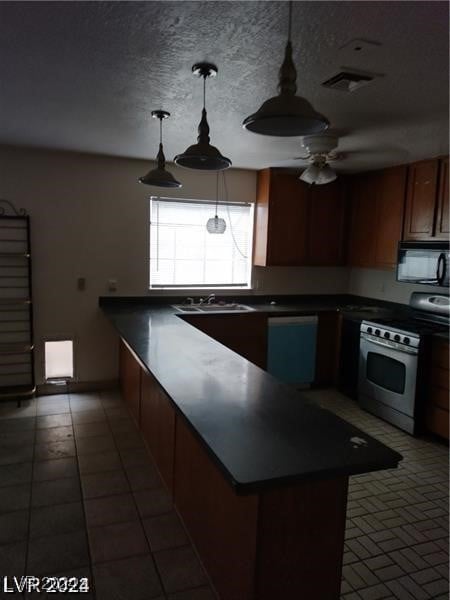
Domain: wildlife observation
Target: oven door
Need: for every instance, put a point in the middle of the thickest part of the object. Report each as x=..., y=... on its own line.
x=387, y=374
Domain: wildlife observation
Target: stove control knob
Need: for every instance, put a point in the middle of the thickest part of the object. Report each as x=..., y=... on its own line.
x=369, y=330
x=387, y=335
x=377, y=332
x=397, y=337
x=406, y=340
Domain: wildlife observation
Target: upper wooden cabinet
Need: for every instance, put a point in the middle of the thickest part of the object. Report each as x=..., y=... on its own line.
x=442, y=229
x=390, y=197
x=427, y=203
x=297, y=224
x=280, y=225
x=377, y=204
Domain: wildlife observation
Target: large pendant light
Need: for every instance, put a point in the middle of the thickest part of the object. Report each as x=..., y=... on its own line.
x=159, y=176
x=216, y=224
x=202, y=155
x=286, y=115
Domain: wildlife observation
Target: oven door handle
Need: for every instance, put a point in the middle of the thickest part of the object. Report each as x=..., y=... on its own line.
x=441, y=268
x=376, y=342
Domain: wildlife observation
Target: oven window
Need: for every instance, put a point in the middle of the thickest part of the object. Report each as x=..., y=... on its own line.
x=386, y=372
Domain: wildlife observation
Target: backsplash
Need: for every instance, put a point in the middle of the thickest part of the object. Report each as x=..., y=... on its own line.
x=300, y=280
x=382, y=285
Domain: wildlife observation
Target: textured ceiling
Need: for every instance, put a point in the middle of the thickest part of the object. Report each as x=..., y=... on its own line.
x=85, y=76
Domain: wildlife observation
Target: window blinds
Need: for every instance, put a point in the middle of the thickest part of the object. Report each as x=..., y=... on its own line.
x=184, y=254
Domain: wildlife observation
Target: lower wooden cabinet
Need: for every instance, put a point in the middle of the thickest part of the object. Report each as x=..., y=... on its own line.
x=246, y=333
x=328, y=347
x=280, y=543
x=130, y=380
x=158, y=426
x=437, y=407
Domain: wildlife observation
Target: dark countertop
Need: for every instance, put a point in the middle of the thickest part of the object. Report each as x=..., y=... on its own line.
x=260, y=432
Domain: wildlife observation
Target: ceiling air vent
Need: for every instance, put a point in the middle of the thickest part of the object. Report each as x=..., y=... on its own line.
x=347, y=81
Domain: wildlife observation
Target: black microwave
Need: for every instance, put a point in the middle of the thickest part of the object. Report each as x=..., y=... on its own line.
x=425, y=263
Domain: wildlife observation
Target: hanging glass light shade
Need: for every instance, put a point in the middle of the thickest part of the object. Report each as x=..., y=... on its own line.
x=216, y=224
x=286, y=115
x=202, y=155
x=159, y=176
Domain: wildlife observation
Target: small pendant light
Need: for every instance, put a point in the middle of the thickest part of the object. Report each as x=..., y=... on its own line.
x=286, y=115
x=159, y=176
x=216, y=225
x=202, y=155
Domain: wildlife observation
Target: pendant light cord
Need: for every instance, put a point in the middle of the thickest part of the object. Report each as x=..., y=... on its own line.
x=217, y=190
x=290, y=21
x=229, y=216
x=204, y=92
x=160, y=130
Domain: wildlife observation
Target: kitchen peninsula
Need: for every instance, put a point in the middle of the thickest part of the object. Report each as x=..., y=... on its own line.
x=258, y=474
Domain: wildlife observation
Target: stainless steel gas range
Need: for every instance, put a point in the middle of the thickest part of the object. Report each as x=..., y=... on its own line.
x=391, y=382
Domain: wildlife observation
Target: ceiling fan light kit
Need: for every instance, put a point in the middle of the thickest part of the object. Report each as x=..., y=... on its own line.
x=286, y=115
x=319, y=173
x=159, y=177
x=202, y=155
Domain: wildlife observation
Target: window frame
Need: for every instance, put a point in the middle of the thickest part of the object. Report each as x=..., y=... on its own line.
x=201, y=287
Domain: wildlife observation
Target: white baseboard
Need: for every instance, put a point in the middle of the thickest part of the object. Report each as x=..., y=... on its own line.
x=75, y=387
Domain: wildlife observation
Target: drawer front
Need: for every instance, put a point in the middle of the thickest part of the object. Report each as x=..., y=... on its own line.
x=437, y=421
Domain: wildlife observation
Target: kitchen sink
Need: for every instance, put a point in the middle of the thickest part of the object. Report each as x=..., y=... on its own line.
x=232, y=307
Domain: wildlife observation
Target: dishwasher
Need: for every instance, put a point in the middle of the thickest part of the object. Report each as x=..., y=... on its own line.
x=292, y=349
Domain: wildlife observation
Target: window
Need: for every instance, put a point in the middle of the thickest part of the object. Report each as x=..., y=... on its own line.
x=184, y=255
x=59, y=359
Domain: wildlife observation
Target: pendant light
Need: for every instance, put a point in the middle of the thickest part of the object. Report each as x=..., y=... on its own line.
x=202, y=155
x=286, y=115
x=216, y=225
x=159, y=176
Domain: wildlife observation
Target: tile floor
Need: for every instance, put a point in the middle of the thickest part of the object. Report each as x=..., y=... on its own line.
x=396, y=543
x=80, y=497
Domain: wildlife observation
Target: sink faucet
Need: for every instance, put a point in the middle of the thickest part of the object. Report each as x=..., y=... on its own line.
x=189, y=300
x=211, y=299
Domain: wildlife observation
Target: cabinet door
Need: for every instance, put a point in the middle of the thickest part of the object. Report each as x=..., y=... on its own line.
x=328, y=348
x=326, y=216
x=158, y=426
x=361, y=248
x=442, y=211
x=391, y=187
x=421, y=200
x=287, y=227
x=130, y=380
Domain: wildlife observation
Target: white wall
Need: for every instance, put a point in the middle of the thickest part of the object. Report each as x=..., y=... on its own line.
x=383, y=286
x=89, y=219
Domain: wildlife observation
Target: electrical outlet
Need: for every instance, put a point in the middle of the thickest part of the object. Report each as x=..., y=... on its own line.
x=112, y=285
x=81, y=284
